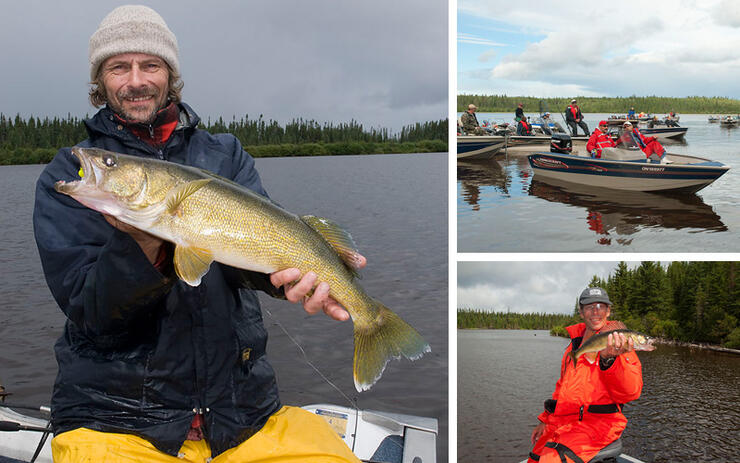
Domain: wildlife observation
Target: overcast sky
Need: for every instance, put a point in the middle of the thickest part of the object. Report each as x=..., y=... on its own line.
x=382, y=62
x=548, y=287
x=539, y=48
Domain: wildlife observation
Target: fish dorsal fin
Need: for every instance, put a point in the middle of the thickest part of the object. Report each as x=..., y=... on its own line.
x=338, y=238
x=179, y=194
x=612, y=325
x=191, y=263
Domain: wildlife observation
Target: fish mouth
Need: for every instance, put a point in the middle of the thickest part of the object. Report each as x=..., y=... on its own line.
x=648, y=345
x=90, y=173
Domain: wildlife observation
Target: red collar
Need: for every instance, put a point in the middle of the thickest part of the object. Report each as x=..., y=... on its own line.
x=158, y=132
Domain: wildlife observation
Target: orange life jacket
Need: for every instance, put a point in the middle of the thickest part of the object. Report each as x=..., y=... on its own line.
x=586, y=384
x=584, y=414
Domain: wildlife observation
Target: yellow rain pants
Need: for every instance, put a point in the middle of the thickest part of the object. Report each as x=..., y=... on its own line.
x=291, y=435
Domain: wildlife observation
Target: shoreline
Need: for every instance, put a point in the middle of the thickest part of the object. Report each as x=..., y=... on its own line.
x=696, y=345
x=30, y=156
x=656, y=340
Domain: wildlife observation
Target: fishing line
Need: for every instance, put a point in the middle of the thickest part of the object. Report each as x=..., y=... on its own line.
x=305, y=358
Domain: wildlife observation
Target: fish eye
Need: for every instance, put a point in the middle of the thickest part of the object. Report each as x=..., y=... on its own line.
x=109, y=161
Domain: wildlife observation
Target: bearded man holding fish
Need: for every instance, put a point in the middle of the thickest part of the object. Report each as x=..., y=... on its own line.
x=163, y=353
x=599, y=373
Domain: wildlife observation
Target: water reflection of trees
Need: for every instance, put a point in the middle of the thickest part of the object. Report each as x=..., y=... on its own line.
x=472, y=175
x=624, y=213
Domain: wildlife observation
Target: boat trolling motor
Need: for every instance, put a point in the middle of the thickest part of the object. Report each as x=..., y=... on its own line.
x=561, y=143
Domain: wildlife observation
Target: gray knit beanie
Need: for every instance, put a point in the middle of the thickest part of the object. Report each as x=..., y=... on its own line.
x=132, y=29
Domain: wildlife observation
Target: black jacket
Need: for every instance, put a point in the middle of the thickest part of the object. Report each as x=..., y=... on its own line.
x=142, y=352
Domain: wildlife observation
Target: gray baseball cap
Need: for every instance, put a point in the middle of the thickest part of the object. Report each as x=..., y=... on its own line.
x=595, y=294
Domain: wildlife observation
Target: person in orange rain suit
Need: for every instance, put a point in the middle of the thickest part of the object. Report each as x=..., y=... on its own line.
x=599, y=140
x=584, y=414
x=649, y=145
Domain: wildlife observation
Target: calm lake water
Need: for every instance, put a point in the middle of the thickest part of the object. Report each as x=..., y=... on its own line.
x=501, y=208
x=688, y=410
x=397, y=213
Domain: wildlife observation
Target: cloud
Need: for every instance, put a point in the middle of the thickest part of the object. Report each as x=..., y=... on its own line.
x=675, y=48
x=472, y=39
x=374, y=62
x=727, y=13
x=487, y=56
x=549, y=287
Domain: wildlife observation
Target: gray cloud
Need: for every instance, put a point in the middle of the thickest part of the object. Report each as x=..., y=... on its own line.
x=381, y=63
x=727, y=13
x=550, y=287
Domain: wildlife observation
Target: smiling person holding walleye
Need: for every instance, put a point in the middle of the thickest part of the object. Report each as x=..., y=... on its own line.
x=599, y=373
x=153, y=368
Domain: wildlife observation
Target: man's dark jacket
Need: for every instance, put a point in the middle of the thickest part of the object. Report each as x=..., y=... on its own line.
x=142, y=352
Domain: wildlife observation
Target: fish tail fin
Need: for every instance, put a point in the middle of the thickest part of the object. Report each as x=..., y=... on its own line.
x=386, y=337
x=572, y=356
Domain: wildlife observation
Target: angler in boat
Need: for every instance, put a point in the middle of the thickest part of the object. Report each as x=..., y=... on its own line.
x=574, y=118
x=150, y=366
x=470, y=124
x=584, y=415
x=632, y=137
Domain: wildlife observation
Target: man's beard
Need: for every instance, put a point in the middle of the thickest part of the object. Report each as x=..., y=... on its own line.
x=136, y=93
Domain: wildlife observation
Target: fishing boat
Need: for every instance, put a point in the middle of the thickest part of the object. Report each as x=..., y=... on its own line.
x=610, y=454
x=628, y=169
x=728, y=121
x=479, y=147
x=471, y=147
x=373, y=436
x=713, y=119
x=665, y=133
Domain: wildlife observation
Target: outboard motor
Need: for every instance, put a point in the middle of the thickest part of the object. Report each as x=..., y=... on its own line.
x=561, y=143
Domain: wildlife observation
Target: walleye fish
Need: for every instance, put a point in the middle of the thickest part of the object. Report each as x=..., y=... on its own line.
x=210, y=218
x=597, y=343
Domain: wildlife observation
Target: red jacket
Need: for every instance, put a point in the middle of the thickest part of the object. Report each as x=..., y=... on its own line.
x=648, y=145
x=598, y=141
x=524, y=128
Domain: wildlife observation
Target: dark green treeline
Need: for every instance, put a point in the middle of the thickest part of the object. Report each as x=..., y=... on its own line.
x=613, y=105
x=35, y=140
x=472, y=318
x=682, y=301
